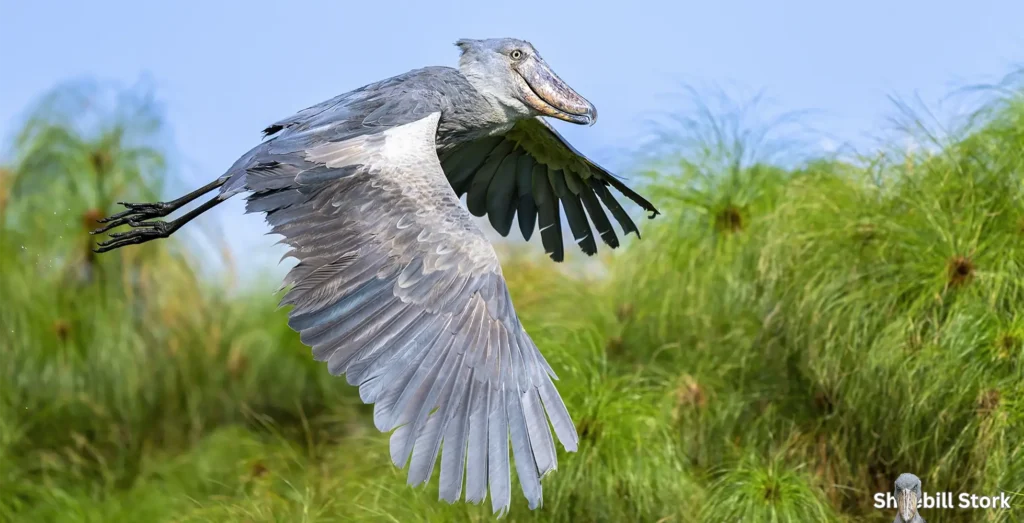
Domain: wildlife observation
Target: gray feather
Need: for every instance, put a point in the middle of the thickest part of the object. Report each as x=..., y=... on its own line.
x=476, y=458
x=498, y=471
x=453, y=459
x=526, y=467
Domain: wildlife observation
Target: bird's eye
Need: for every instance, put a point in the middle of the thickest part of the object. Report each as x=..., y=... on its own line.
x=516, y=54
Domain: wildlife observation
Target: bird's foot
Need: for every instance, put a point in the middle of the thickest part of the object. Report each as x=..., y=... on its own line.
x=142, y=232
x=136, y=212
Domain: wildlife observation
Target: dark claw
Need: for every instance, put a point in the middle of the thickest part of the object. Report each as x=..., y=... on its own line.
x=116, y=223
x=136, y=216
x=133, y=208
x=151, y=209
x=136, y=212
x=141, y=217
x=147, y=231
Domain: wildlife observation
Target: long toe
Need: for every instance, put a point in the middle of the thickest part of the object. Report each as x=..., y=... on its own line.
x=142, y=232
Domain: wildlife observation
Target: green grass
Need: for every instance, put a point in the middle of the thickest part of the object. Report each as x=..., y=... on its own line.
x=782, y=344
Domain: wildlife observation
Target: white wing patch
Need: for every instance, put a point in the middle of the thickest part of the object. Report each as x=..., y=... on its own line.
x=406, y=147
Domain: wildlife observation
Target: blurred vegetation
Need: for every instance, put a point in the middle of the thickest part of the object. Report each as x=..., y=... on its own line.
x=783, y=343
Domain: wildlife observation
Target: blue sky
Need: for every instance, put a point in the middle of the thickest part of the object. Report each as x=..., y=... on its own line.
x=226, y=69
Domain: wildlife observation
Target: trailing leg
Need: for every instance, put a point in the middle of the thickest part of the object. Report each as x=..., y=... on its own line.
x=145, y=211
x=141, y=217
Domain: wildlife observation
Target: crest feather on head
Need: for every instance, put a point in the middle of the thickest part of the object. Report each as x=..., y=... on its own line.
x=465, y=44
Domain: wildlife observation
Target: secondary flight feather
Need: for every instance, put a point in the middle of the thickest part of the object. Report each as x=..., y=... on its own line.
x=395, y=286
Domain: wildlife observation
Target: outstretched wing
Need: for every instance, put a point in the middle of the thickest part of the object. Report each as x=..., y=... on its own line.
x=397, y=289
x=527, y=172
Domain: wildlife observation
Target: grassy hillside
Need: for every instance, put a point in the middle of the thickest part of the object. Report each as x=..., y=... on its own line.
x=780, y=346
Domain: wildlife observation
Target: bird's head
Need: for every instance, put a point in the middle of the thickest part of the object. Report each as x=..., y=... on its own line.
x=908, y=492
x=513, y=73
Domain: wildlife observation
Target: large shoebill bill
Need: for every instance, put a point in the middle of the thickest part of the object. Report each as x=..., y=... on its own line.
x=395, y=285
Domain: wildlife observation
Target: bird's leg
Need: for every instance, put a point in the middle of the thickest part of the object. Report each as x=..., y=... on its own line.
x=137, y=212
x=144, y=231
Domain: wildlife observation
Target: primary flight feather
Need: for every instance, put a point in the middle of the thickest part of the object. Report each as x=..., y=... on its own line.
x=395, y=286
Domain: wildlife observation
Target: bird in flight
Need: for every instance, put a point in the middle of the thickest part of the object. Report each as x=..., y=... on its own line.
x=395, y=286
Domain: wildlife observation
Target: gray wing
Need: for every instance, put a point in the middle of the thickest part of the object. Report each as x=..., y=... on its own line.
x=397, y=289
x=528, y=172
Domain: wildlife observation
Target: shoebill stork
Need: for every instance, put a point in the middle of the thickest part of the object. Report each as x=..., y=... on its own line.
x=395, y=286
x=908, y=492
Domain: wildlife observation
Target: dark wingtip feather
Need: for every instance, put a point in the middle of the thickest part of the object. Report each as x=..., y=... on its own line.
x=527, y=213
x=613, y=205
x=551, y=236
x=460, y=164
x=501, y=202
x=632, y=195
x=548, y=215
x=526, y=207
x=476, y=199
x=574, y=213
x=579, y=225
x=598, y=216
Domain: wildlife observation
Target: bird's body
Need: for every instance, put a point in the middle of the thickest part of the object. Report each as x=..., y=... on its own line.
x=396, y=287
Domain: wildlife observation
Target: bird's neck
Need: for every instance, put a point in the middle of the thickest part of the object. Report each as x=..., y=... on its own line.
x=485, y=114
x=509, y=110
x=500, y=108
